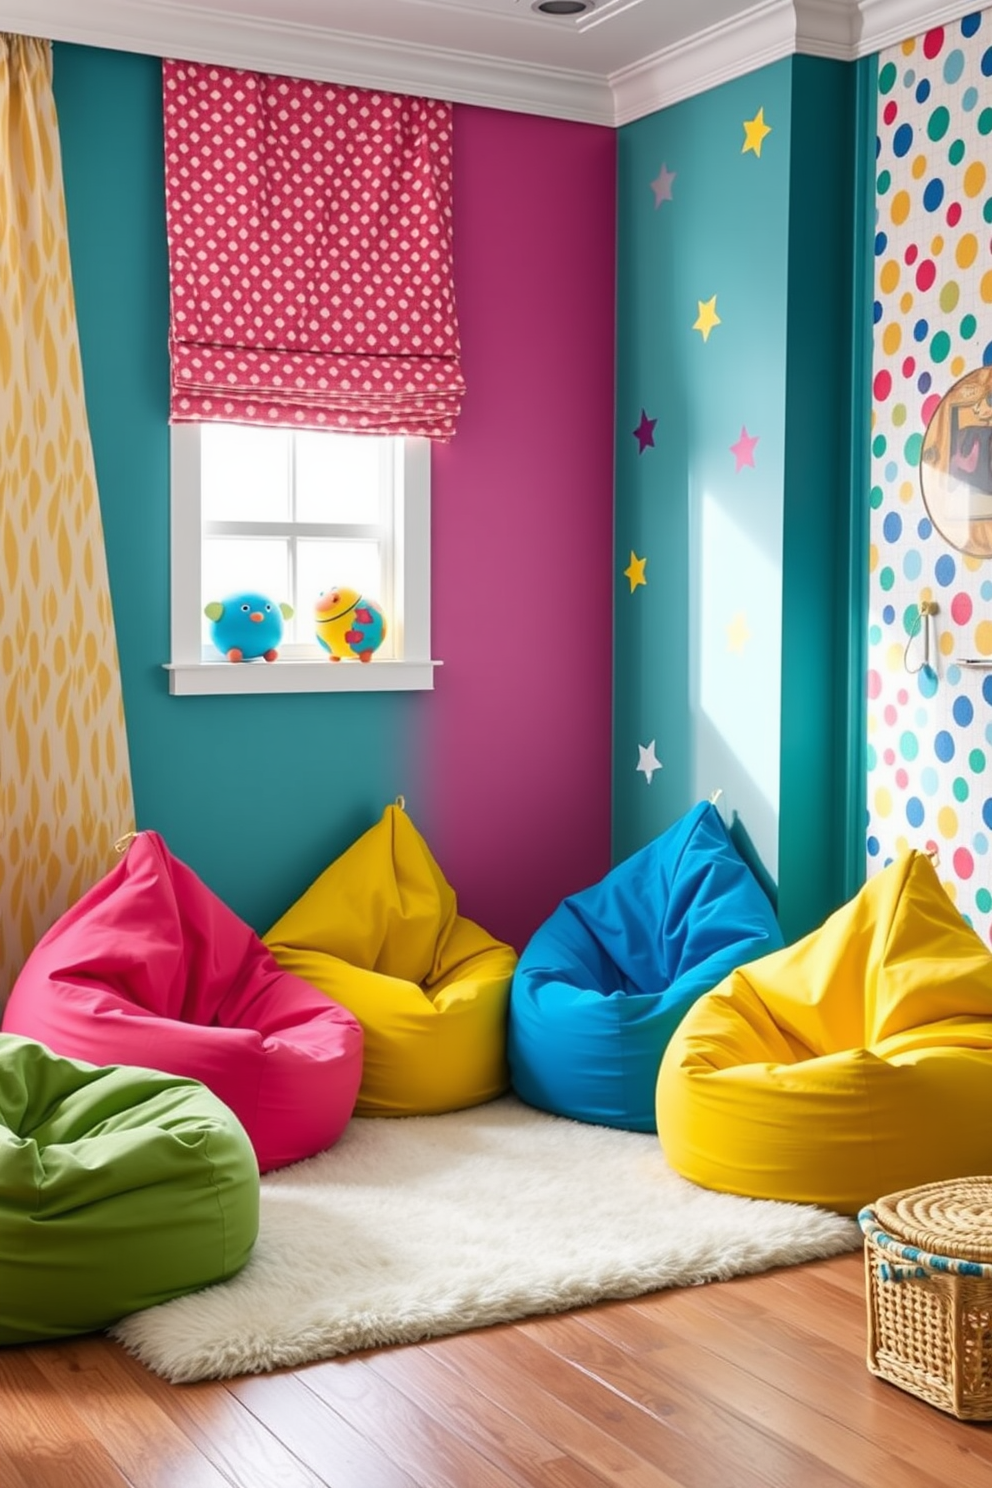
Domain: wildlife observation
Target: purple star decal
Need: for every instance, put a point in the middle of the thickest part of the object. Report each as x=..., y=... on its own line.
x=662, y=185
x=644, y=433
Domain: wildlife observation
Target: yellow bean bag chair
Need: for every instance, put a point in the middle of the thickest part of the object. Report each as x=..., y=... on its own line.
x=379, y=932
x=854, y=1063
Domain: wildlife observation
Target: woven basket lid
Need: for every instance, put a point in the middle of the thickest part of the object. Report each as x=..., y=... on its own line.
x=952, y=1218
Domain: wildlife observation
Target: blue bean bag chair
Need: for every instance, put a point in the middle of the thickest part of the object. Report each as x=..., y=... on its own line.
x=605, y=981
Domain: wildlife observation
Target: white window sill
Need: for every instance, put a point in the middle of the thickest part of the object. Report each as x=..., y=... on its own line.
x=202, y=678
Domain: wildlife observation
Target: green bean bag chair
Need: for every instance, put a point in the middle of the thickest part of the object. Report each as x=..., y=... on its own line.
x=119, y=1188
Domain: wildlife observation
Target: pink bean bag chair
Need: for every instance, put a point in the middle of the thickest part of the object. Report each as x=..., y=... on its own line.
x=150, y=968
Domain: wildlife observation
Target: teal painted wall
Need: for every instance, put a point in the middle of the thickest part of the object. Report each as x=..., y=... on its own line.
x=255, y=797
x=825, y=568
x=739, y=658
x=505, y=766
x=733, y=655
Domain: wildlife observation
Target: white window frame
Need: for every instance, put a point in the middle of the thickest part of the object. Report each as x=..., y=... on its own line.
x=411, y=667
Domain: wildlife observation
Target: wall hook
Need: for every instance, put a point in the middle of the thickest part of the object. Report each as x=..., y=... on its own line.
x=924, y=625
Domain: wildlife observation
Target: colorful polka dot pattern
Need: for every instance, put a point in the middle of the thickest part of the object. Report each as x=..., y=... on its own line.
x=65, y=783
x=310, y=254
x=929, y=716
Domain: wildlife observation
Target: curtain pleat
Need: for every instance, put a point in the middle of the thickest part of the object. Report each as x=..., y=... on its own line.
x=65, y=784
x=310, y=254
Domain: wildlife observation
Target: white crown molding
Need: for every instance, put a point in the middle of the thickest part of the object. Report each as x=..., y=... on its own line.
x=841, y=29
x=886, y=23
x=201, y=35
x=758, y=36
x=828, y=28
x=768, y=31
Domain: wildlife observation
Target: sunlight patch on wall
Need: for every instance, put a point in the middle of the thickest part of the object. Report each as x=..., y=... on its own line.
x=739, y=663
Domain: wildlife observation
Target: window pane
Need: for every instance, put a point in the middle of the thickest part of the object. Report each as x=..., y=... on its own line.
x=245, y=473
x=231, y=564
x=324, y=564
x=337, y=477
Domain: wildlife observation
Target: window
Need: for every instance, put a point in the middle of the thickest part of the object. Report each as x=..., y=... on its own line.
x=291, y=513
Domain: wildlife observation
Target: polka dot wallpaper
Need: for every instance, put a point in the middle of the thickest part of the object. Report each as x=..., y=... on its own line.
x=930, y=625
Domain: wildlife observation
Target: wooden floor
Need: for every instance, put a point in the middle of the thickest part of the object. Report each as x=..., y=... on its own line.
x=754, y=1383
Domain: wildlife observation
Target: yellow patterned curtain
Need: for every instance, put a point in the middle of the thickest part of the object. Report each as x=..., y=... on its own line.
x=65, y=782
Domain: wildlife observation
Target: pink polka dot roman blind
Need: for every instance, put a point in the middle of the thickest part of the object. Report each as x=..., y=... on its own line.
x=310, y=254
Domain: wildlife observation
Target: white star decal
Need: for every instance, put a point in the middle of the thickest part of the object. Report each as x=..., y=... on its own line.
x=648, y=761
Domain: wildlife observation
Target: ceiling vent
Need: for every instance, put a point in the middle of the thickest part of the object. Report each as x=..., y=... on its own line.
x=585, y=13
x=562, y=7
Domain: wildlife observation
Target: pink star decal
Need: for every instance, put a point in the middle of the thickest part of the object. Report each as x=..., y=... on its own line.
x=662, y=185
x=743, y=450
x=644, y=433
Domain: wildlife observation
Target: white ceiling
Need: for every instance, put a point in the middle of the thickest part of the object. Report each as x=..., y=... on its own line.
x=618, y=62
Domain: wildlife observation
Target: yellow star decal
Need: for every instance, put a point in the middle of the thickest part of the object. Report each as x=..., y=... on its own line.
x=707, y=317
x=635, y=571
x=754, y=132
x=738, y=634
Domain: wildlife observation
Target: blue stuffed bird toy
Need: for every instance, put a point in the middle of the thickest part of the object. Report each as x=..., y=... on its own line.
x=246, y=626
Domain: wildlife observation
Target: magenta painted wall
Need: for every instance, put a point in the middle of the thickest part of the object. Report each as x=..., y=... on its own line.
x=518, y=729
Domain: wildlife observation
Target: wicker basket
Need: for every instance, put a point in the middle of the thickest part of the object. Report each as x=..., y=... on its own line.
x=928, y=1267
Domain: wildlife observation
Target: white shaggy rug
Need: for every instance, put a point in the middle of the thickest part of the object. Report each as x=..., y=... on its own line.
x=416, y=1227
